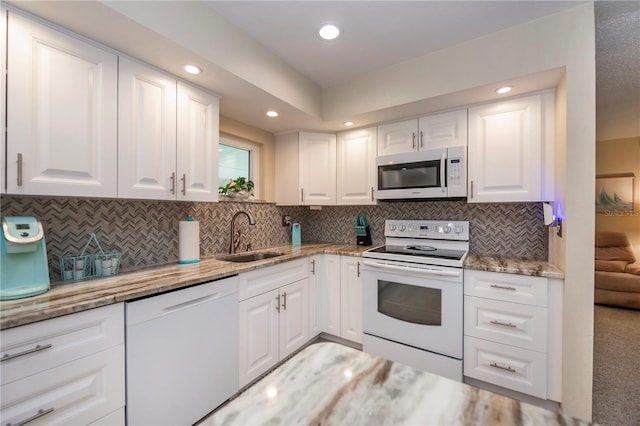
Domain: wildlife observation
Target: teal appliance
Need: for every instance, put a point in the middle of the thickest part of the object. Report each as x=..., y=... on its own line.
x=24, y=270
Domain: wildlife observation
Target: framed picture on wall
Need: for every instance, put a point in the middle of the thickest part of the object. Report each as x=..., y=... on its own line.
x=614, y=192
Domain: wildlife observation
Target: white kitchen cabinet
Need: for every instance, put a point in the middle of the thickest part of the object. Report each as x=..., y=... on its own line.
x=198, y=129
x=435, y=131
x=329, y=290
x=66, y=370
x=315, y=321
x=274, y=316
x=511, y=150
x=306, y=168
x=61, y=113
x=351, y=298
x=512, y=332
x=146, y=132
x=3, y=78
x=168, y=137
x=356, y=164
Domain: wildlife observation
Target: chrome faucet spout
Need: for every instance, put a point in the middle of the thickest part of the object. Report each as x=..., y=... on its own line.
x=233, y=242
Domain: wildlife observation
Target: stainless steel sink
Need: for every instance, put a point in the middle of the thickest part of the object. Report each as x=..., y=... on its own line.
x=249, y=257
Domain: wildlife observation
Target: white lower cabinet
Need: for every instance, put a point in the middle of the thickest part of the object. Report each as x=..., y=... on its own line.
x=275, y=322
x=512, y=337
x=315, y=322
x=329, y=294
x=351, y=299
x=66, y=370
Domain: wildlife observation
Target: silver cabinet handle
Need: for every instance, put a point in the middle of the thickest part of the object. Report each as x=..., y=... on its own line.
x=19, y=169
x=284, y=300
x=372, y=199
x=358, y=269
x=443, y=161
x=278, y=303
x=39, y=414
x=184, y=184
x=413, y=140
x=507, y=368
x=313, y=266
x=504, y=324
x=421, y=140
x=503, y=287
x=173, y=183
x=470, y=189
x=302, y=195
x=38, y=348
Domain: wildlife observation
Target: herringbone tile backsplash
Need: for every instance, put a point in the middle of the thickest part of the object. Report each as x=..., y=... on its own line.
x=146, y=232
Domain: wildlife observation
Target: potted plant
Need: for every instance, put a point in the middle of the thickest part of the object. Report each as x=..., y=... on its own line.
x=239, y=187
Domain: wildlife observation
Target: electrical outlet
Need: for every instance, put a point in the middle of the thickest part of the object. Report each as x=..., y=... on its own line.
x=286, y=220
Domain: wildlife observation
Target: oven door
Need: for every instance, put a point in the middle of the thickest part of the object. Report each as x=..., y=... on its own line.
x=412, y=175
x=413, y=304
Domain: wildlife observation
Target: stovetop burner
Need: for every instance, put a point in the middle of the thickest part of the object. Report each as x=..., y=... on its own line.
x=421, y=251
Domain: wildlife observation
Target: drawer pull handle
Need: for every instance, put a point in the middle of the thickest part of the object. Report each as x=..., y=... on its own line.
x=278, y=303
x=505, y=324
x=173, y=183
x=38, y=348
x=39, y=414
x=19, y=169
x=284, y=300
x=313, y=265
x=509, y=369
x=503, y=287
x=184, y=184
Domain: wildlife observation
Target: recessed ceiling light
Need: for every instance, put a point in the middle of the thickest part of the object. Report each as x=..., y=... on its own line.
x=349, y=123
x=503, y=90
x=192, y=69
x=272, y=113
x=329, y=32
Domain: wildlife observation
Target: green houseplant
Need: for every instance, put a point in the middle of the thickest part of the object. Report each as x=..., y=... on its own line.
x=239, y=187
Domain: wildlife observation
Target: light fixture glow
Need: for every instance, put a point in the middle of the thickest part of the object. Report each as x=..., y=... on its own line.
x=329, y=32
x=503, y=90
x=349, y=123
x=192, y=69
x=272, y=113
x=272, y=391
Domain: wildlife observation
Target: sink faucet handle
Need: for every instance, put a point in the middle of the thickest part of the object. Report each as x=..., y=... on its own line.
x=248, y=246
x=236, y=239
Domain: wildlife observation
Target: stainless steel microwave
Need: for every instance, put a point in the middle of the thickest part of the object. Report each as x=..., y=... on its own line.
x=436, y=173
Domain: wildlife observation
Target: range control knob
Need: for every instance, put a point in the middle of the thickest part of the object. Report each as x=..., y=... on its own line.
x=459, y=229
x=447, y=229
x=402, y=227
x=392, y=227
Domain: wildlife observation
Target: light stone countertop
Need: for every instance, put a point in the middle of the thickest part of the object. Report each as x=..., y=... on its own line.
x=68, y=297
x=331, y=384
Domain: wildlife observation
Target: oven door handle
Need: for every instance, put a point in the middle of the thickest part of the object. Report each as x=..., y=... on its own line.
x=426, y=271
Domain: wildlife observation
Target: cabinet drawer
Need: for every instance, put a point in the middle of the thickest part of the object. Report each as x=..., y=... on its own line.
x=513, y=324
x=36, y=347
x=262, y=280
x=79, y=392
x=515, y=288
x=507, y=366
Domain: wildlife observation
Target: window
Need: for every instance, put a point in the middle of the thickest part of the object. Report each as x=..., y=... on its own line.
x=236, y=158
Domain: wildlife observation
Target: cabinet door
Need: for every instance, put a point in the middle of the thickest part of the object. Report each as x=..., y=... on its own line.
x=62, y=114
x=294, y=316
x=146, y=132
x=399, y=137
x=330, y=294
x=198, y=135
x=351, y=295
x=258, y=335
x=317, y=162
x=3, y=78
x=443, y=130
x=357, y=172
x=505, y=148
x=315, y=324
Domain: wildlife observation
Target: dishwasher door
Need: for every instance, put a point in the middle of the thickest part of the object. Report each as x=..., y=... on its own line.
x=182, y=353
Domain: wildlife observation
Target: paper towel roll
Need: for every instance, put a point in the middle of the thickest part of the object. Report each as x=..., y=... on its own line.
x=189, y=241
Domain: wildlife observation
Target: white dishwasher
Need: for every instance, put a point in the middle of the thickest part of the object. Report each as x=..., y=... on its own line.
x=182, y=353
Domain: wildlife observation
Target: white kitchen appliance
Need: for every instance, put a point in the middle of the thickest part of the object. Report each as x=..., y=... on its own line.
x=435, y=173
x=413, y=295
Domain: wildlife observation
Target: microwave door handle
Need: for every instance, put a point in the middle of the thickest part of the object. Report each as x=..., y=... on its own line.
x=412, y=268
x=443, y=161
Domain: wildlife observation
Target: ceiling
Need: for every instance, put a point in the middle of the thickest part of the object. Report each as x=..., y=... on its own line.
x=265, y=54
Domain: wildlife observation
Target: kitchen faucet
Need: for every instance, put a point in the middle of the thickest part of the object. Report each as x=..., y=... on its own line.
x=233, y=241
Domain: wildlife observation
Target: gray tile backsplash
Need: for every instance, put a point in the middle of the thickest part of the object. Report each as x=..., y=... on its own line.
x=146, y=232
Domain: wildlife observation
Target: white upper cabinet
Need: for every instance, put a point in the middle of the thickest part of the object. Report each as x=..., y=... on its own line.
x=357, y=173
x=3, y=70
x=511, y=150
x=435, y=131
x=61, y=114
x=306, y=169
x=198, y=128
x=146, y=132
x=398, y=137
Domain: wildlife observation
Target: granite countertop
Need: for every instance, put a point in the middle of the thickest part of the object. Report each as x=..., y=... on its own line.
x=331, y=384
x=75, y=296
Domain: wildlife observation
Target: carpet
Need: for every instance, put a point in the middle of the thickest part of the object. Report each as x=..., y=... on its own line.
x=616, y=366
